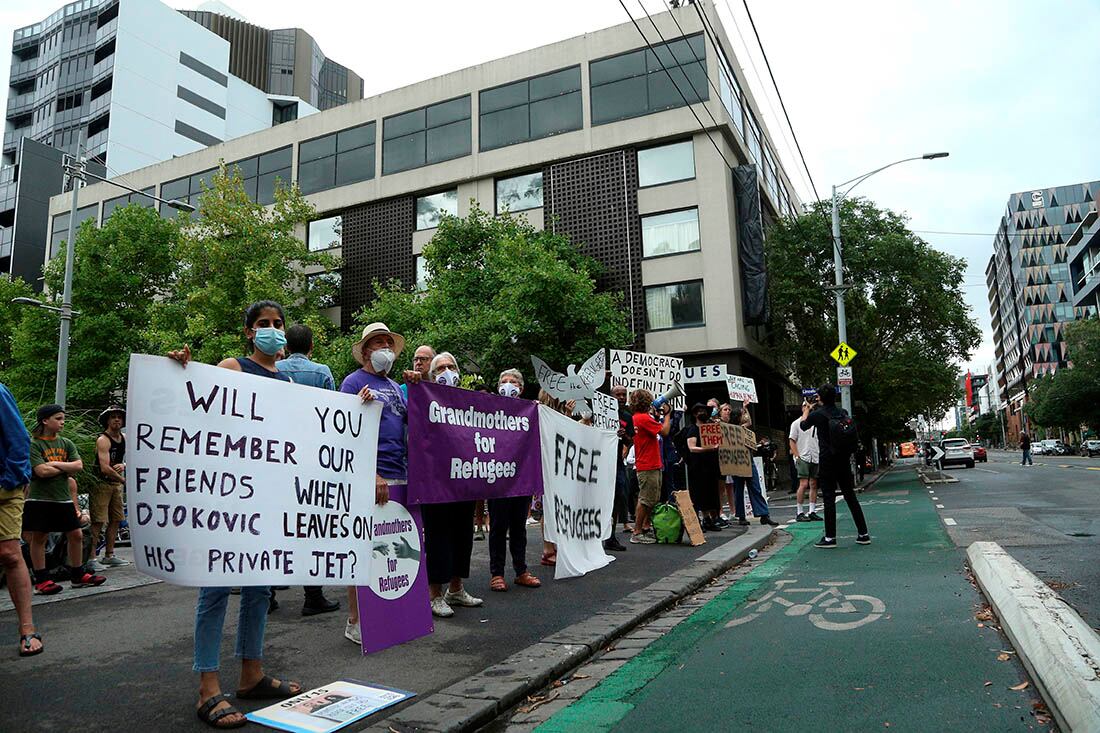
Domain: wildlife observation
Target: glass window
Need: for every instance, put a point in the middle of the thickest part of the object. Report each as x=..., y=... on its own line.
x=318, y=175
x=449, y=141
x=674, y=306
x=642, y=82
x=530, y=109
x=505, y=127
x=355, y=165
x=275, y=160
x=338, y=159
x=519, y=193
x=314, y=149
x=325, y=233
x=556, y=114
x=247, y=168
x=666, y=163
x=422, y=275
x=427, y=135
x=110, y=205
x=430, y=209
x=671, y=233
x=403, y=153
x=331, y=282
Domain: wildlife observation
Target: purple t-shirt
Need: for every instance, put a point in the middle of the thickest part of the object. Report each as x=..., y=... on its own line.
x=391, y=431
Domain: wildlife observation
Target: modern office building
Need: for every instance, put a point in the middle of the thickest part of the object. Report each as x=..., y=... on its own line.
x=1031, y=291
x=1084, y=261
x=592, y=136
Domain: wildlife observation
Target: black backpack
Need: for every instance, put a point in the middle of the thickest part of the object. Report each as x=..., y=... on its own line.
x=843, y=436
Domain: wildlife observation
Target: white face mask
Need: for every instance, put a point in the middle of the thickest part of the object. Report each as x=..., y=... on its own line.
x=448, y=377
x=382, y=360
x=508, y=389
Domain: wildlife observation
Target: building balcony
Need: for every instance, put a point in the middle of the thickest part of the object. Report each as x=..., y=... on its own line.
x=99, y=104
x=23, y=70
x=96, y=141
x=102, y=70
x=106, y=32
x=20, y=104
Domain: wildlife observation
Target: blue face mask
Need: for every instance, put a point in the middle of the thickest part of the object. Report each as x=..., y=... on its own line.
x=269, y=340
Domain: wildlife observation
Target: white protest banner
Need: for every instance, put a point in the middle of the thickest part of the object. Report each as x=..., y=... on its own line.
x=578, y=481
x=235, y=479
x=701, y=374
x=605, y=412
x=741, y=388
x=654, y=372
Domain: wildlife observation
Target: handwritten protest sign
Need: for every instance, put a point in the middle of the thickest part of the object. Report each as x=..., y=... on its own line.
x=393, y=606
x=236, y=480
x=653, y=372
x=707, y=373
x=710, y=434
x=741, y=388
x=578, y=385
x=466, y=445
x=605, y=412
x=735, y=451
x=578, y=469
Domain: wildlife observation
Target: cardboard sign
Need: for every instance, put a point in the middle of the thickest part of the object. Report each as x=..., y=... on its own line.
x=710, y=434
x=234, y=479
x=328, y=708
x=466, y=445
x=689, y=517
x=578, y=479
x=605, y=412
x=701, y=374
x=575, y=384
x=735, y=452
x=654, y=372
x=741, y=388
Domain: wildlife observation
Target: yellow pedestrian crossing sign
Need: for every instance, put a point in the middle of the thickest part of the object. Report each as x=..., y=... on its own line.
x=843, y=354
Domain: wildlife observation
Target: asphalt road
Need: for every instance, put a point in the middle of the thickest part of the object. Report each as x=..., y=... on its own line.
x=1047, y=516
x=122, y=660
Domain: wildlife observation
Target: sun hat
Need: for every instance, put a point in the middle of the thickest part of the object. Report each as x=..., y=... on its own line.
x=106, y=414
x=372, y=330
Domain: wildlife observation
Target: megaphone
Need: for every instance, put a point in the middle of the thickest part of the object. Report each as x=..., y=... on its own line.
x=670, y=394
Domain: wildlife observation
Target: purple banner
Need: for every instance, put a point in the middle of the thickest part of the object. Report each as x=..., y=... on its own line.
x=466, y=445
x=394, y=608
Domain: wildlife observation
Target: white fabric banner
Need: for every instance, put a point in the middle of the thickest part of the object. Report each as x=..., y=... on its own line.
x=703, y=374
x=235, y=479
x=578, y=475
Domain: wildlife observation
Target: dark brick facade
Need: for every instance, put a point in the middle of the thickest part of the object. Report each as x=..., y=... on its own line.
x=377, y=245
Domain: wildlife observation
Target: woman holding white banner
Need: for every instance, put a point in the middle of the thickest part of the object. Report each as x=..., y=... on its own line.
x=264, y=328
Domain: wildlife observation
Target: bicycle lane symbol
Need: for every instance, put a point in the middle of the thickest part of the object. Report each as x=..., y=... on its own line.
x=831, y=606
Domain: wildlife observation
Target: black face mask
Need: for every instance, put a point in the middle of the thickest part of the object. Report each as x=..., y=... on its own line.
x=701, y=416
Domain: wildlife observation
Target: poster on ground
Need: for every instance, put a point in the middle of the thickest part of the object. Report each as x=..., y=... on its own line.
x=328, y=708
x=654, y=372
x=466, y=445
x=236, y=480
x=578, y=466
x=735, y=451
x=741, y=388
x=394, y=606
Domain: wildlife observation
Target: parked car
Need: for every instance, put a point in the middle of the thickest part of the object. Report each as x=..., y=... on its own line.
x=1052, y=447
x=1091, y=447
x=980, y=454
x=957, y=451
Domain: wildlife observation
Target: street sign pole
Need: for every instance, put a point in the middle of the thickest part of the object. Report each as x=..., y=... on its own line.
x=841, y=316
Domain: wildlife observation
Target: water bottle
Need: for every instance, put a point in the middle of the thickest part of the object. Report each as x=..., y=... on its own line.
x=753, y=553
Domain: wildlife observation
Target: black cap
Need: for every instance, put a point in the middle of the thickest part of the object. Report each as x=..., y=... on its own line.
x=700, y=406
x=47, y=411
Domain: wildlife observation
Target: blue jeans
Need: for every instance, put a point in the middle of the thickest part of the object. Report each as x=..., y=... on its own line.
x=1026, y=460
x=756, y=496
x=210, y=620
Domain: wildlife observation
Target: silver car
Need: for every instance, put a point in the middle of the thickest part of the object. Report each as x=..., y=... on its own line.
x=957, y=452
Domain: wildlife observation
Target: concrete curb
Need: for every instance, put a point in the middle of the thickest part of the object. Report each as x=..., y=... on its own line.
x=1057, y=647
x=480, y=698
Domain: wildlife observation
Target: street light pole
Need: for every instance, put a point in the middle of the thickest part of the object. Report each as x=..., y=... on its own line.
x=839, y=286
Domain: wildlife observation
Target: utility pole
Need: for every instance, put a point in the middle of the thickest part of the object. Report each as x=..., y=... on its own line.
x=75, y=168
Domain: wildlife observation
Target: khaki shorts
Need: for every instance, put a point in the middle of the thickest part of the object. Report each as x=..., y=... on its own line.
x=649, y=488
x=106, y=504
x=11, y=514
x=805, y=468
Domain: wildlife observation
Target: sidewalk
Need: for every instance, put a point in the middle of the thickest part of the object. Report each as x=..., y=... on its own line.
x=856, y=638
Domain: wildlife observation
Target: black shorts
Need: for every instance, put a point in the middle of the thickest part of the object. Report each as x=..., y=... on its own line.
x=50, y=516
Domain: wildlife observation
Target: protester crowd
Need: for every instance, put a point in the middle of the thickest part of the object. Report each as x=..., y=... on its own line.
x=38, y=491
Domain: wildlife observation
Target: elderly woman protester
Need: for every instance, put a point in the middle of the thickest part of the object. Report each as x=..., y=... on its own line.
x=508, y=516
x=377, y=352
x=448, y=529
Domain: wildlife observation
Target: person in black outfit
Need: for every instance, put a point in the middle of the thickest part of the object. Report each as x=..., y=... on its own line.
x=622, y=480
x=704, y=477
x=834, y=470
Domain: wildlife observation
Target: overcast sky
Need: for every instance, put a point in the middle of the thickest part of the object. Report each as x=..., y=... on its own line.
x=1008, y=87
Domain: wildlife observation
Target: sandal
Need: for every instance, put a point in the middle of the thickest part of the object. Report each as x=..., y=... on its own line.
x=498, y=584
x=266, y=689
x=207, y=715
x=528, y=581
x=25, y=644
x=47, y=588
x=549, y=558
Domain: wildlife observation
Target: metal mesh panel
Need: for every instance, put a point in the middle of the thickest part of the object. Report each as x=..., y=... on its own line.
x=377, y=245
x=594, y=202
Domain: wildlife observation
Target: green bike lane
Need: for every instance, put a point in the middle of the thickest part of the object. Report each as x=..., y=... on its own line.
x=852, y=638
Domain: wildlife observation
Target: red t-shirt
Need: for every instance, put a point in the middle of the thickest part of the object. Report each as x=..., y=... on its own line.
x=647, y=450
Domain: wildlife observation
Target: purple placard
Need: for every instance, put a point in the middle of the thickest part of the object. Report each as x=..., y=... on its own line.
x=394, y=608
x=466, y=445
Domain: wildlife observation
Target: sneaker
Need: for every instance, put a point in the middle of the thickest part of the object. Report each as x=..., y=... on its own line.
x=767, y=520
x=743, y=522
x=812, y=516
x=722, y=522
x=824, y=543
x=802, y=517
x=462, y=598
x=863, y=539
x=95, y=566
x=531, y=520
x=440, y=608
x=47, y=588
x=110, y=561
x=89, y=580
x=642, y=539
x=352, y=633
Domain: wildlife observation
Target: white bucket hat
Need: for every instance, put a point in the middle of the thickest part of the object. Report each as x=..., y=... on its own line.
x=372, y=330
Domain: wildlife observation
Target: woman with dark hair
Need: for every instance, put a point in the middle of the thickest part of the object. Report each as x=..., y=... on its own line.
x=702, y=465
x=264, y=325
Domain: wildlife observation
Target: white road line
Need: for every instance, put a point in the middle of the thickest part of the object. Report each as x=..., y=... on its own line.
x=935, y=498
x=949, y=521
x=986, y=470
x=939, y=506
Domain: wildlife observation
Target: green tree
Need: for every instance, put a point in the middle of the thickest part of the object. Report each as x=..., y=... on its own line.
x=1070, y=398
x=233, y=253
x=906, y=315
x=499, y=291
x=10, y=316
